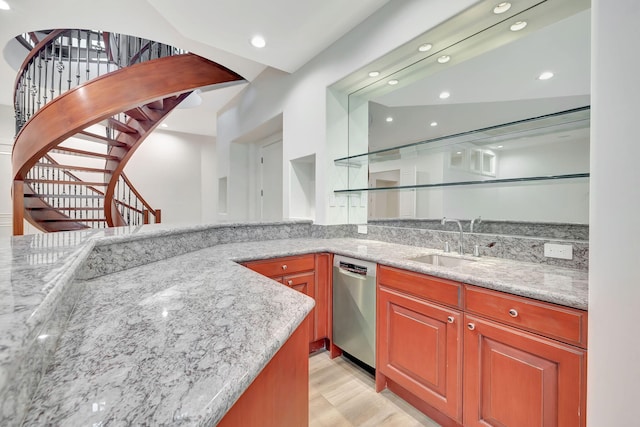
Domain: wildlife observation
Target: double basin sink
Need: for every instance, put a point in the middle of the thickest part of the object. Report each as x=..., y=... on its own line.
x=442, y=260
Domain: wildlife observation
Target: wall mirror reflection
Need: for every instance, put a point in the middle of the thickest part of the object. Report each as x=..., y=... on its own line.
x=494, y=125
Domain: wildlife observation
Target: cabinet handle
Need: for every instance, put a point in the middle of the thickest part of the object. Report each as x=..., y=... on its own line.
x=471, y=326
x=450, y=319
x=290, y=282
x=284, y=266
x=513, y=312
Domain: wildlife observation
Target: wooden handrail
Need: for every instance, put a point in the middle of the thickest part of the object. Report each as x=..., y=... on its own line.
x=107, y=95
x=138, y=195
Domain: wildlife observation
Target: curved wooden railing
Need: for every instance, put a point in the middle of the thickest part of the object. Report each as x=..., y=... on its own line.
x=57, y=127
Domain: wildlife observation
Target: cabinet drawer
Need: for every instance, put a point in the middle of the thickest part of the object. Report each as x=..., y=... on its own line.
x=432, y=288
x=282, y=266
x=561, y=323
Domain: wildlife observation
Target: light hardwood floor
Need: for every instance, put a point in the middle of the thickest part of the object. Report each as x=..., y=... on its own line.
x=342, y=395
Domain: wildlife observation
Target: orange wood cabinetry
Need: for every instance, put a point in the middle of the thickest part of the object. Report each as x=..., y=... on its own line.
x=419, y=341
x=309, y=274
x=279, y=396
x=470, y=356
x=516, y=378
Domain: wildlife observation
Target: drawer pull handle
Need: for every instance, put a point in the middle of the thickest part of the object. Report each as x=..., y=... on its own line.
x=471, y=326
x=284, y=266
x=290, y=282
x=450, y=319
x=513, y=312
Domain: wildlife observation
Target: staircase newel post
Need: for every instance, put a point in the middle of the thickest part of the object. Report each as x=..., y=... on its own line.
x=18, y=208
x=145, y=216
x=158, y=216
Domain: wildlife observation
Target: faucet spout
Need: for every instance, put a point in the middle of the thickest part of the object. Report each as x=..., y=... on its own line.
x=473, y=222
x=460, y=241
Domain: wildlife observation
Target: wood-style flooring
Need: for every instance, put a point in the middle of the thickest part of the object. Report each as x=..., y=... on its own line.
x=342, y=394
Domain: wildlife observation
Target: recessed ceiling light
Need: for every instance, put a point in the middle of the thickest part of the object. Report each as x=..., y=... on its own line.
x=164, y=125
x=389, y=119
x=445, y=95
x=393, y=82
x=499, y=146
x=458, y=152
x=258, y=41
x=545, y=76
x=444, y=59
x=518, y=26
x=502, y=7
x=4, y=5
x=425, y=47
x=433, y=124
x=374, y=73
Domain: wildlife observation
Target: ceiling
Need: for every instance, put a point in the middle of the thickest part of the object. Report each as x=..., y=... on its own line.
x=220, y=30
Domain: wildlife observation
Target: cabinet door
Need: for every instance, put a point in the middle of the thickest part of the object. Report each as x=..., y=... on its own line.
x=420, y=349
x=305, y=283
x=518, y=379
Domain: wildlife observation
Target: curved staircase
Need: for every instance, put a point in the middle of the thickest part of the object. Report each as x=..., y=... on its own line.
x=85, y=101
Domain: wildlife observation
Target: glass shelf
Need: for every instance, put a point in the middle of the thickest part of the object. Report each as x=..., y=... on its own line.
x=578, y=118
x=462, y=183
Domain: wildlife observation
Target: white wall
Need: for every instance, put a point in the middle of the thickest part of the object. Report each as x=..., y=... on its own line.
x=614, y=277
x=167, y=171
x=302, y=96
x=7, y=127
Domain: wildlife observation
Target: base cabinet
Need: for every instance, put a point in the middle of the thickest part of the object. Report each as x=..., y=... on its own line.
x=468, y=356
x=515, y=378
x=420, y=349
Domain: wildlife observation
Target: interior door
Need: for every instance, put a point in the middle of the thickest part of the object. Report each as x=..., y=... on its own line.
x=271, y=181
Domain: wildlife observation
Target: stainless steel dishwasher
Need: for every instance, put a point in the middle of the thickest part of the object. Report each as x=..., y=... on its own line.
x=354, y=308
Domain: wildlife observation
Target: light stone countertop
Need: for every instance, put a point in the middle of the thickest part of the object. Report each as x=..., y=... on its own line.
x=177, y=341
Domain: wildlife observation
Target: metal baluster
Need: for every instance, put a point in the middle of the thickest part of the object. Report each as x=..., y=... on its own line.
x=69, y=43
x=53, y=68
x=39, y=79
x=87, y=48
x=60, y=67
x=46, y=71
x=79, y=37
x=97, y=49
x=33, y=86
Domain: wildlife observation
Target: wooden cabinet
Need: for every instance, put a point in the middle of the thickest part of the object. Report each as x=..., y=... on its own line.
x=420, y=341
x=523, y=365
x=309, y=274
x=470, y=356
x=516, y=378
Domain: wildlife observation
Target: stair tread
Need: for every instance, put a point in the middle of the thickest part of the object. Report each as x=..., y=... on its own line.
x=119, y=126
x=53, y=181
x=102, y=139
x=85, y=153
x=75, y=168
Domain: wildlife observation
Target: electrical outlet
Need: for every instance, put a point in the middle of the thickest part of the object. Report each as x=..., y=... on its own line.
x=362, y=229
x=554, y=250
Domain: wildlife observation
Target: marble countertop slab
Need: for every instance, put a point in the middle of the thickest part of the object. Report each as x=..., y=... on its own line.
x=176, y=342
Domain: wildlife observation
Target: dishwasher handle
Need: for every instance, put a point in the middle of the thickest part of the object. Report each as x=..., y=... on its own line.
x=352, y=275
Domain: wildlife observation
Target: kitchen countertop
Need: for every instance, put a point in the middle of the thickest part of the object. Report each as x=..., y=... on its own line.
x=177, y=341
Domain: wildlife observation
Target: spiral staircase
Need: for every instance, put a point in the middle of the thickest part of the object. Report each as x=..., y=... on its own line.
x=85, y=100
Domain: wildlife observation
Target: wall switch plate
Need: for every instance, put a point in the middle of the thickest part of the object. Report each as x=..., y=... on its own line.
x=362, y=229
x=554, y=250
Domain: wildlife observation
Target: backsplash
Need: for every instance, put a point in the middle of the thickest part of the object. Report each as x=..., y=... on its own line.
x=551, y=230
x=519, y=248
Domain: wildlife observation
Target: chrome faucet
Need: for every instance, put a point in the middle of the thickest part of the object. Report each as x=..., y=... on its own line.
x=475, y=221
x=460, y=245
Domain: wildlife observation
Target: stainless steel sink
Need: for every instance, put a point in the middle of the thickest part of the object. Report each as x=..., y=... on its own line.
x=442, y=260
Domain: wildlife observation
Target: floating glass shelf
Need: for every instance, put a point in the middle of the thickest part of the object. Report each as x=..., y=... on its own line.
x=460, y=183
x=563, y=121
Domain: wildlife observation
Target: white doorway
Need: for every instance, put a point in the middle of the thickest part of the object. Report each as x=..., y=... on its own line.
x=270, y=182
x=385, y=203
